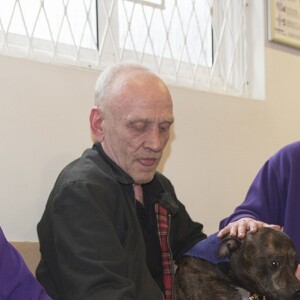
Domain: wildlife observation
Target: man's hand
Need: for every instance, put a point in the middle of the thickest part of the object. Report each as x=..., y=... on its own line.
x=241, y=226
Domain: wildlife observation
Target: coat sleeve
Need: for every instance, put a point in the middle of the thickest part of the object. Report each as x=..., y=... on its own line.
x=89, y=253
x=185, y=232
x=90, y=256
x=207, y=249
x=17, y=282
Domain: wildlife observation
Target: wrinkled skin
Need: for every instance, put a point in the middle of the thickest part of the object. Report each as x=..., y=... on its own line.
x=263, y=263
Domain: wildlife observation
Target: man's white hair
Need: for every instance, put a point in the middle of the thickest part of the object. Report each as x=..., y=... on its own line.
x=104, y=84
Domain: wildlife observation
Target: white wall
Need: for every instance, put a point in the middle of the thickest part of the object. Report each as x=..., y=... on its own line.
x=219, y=142
x=44, y=125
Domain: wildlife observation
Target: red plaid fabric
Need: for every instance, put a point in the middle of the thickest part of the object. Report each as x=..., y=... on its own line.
x=163, y=230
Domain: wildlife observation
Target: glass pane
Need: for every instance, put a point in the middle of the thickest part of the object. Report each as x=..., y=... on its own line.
x=71, y=22
x=180, y=31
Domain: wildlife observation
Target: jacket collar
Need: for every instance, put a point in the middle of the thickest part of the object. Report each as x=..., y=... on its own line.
x=115, y=171
x=158, y=193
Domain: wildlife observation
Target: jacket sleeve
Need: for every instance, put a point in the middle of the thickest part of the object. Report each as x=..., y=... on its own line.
x=94, y=241
x=90, y=256
x=184, y=232
x=17, y=282
x=207, y=249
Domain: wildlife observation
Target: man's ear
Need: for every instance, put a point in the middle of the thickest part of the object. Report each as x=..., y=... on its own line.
x=96, y=124
x=228, y=246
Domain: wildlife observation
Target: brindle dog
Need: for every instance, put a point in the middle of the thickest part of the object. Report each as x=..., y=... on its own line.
x=263, y=263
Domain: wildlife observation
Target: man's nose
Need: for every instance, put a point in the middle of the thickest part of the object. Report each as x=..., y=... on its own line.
x=155, y=140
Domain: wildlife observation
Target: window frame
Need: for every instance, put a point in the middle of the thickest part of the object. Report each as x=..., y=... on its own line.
x=107, y=52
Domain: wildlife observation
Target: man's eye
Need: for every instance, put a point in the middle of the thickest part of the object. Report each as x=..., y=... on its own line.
x=139, y=126
x=164, y=128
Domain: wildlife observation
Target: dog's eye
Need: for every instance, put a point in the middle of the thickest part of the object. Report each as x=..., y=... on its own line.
x=275, y=264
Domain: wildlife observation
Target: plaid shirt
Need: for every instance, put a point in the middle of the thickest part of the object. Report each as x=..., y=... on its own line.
x=167, y=261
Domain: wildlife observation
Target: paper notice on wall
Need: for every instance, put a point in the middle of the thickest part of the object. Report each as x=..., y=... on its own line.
x=284, y=22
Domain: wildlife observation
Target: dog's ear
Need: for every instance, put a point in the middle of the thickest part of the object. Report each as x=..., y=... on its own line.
x=228, y=246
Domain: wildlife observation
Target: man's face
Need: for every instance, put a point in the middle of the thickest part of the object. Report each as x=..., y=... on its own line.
x=136, y=124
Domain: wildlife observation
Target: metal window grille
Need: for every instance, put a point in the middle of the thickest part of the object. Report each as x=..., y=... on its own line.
x=194, y=43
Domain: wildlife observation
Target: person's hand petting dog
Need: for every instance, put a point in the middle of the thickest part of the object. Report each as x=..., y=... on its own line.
x=240, y=227
x=207, y=248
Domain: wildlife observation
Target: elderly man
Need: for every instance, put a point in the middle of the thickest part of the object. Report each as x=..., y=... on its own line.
x=113, y=225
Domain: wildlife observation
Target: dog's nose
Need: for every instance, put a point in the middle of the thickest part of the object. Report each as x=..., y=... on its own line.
x=297, y=294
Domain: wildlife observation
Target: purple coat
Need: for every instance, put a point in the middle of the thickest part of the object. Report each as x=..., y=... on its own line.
x=274, y=195
x=16, y=281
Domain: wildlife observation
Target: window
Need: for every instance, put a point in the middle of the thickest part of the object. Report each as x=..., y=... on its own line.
x=171, y=32
x=200, y=44
x=40, y=28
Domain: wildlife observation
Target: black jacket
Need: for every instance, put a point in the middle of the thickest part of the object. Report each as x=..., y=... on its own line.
x=91, y=243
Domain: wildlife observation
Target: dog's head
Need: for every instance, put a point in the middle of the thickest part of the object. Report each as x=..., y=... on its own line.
x=264, y=263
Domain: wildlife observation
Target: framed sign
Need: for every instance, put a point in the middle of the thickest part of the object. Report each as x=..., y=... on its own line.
x=284, y=22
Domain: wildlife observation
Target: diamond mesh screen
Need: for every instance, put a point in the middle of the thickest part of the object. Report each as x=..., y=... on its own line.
x=194, y=43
